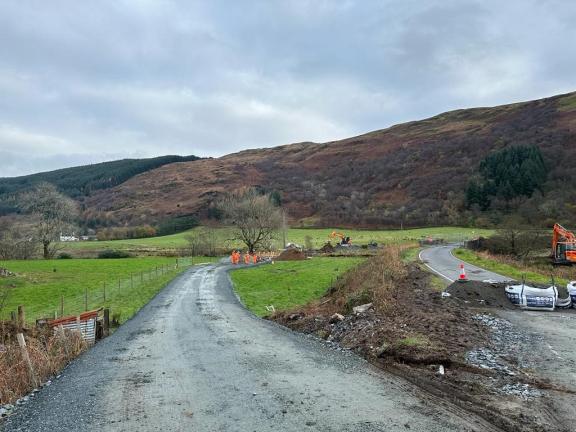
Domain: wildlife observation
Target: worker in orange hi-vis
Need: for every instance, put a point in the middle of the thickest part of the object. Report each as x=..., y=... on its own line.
x=246, y=258
x=235, y=257
x=254, y=258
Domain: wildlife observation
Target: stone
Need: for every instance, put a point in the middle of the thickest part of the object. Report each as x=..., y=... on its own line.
x=362, y=308
x=381, y=350
x=336, y=318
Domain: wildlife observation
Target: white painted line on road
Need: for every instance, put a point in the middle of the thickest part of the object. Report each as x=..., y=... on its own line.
x=434, y=270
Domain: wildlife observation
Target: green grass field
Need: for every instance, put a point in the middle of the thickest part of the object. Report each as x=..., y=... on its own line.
x=287, y=284
x=295, y=235
x=39, y=284
x=506, y=269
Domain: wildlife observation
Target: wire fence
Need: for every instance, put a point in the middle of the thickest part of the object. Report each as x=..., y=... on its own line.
x=110, y=292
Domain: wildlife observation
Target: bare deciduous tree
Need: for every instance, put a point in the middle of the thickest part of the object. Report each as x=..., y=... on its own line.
x=53, y=213
x=16, y=240
x=202, y=242
x=255, y=218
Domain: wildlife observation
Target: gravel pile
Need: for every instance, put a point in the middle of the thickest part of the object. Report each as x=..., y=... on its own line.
x=508, y=344
x=506, y=340
x=524, y=391
x=485, y=358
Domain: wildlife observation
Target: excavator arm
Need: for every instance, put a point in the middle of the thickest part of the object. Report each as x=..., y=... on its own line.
x=344, y=240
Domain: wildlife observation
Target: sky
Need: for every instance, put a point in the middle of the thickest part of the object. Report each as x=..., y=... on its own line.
x=83, y=82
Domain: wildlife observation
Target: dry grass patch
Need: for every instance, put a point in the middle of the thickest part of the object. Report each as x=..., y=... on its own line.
x=49, y=352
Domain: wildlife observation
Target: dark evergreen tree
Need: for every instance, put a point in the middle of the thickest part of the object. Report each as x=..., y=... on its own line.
x=512, y=172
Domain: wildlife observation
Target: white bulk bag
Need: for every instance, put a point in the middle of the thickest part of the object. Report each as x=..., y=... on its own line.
x=532, y=298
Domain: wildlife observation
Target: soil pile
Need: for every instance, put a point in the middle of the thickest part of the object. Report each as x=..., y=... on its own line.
x=481, y=294
x=291, y=255
x=438, y=343
x=327, y=248
x=410, y=323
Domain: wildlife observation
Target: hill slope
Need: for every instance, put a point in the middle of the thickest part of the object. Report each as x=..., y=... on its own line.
x=81, y=181
x=414, y=173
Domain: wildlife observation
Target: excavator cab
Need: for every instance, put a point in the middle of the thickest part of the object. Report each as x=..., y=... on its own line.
x=565, y=253
x=344, y=240
x=563, y=246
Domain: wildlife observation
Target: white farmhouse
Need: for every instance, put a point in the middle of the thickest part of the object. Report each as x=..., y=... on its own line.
x=68, y=238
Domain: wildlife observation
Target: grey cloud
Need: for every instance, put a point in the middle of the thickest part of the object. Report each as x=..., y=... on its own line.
x=83, y=82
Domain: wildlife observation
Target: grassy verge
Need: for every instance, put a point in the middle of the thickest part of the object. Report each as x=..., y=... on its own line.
x=410, y=253
x=513, y=269
x=123, y=285
x=295, y=235
x=288, y=284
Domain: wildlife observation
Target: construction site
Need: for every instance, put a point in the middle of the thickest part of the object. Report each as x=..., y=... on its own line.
x=498, y=347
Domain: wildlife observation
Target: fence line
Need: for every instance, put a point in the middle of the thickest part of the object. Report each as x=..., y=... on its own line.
x=106, y=291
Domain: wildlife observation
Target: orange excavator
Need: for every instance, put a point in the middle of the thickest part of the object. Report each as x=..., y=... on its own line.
x=563, y=246
x=344, y=240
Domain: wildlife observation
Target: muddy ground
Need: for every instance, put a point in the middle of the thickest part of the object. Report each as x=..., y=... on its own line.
x=418, y=334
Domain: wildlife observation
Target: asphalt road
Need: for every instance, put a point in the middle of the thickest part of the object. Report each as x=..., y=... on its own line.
x=194, y=359
x=440, y=260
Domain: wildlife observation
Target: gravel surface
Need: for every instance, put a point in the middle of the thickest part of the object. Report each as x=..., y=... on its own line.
x=195, y=359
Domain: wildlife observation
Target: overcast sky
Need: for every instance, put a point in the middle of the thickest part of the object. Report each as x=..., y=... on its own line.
x=87, y=81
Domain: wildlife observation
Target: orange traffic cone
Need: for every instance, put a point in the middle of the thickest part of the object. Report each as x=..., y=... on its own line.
x=462, y=277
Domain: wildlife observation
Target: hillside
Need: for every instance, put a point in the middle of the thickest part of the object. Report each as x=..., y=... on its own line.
x=413, y=174
x=81, y=181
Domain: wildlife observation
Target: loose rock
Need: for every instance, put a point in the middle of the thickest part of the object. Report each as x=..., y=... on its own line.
x=362, y=308
x=336, y=317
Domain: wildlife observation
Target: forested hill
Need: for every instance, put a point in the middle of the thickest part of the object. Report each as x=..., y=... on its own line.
x=83, y=180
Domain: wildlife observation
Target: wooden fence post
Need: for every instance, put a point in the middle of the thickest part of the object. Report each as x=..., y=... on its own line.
x=21, y=316
x=61, y=306
x=78, y=324
x=106, y=322
x=13, y=317
x=85, y=299
x=24, y=350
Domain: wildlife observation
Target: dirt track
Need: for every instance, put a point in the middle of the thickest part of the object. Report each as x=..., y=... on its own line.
x=195, y=359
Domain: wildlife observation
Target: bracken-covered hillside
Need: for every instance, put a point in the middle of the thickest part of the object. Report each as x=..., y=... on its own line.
x=413, y=174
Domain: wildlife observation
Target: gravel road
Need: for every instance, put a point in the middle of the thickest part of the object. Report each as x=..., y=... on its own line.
x=194, y=359
x=440, y=260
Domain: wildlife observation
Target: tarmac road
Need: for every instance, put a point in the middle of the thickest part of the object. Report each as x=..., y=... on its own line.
x=194, y=359
x=440, y=260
